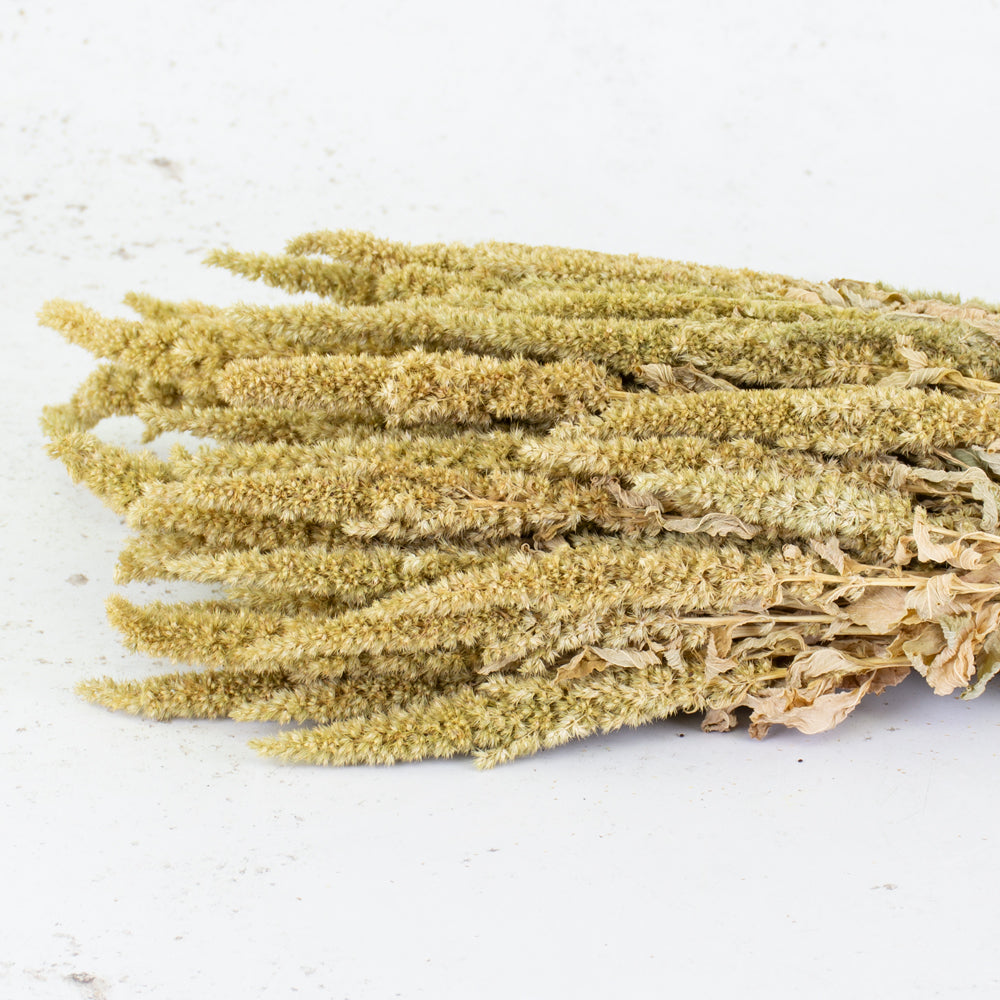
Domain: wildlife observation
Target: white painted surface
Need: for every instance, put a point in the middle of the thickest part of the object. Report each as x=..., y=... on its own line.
x=165, y=860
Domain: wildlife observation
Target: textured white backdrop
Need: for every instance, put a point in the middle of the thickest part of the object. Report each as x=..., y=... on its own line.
x=165, y=860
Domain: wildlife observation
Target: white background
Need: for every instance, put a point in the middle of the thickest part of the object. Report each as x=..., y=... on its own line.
x=147, y=860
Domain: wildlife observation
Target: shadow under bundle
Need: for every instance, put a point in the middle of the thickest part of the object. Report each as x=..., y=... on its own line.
x=487, y=499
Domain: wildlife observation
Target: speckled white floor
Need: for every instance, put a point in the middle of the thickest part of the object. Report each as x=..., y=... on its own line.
x=144, y=860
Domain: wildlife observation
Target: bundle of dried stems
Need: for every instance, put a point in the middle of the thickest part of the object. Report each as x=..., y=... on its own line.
x=486, y=499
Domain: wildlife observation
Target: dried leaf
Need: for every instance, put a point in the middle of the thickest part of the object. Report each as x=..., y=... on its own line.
x=580, y=665
x=965, y=457
x=491, y=668
x=722, y=639
x=634, y=499
x=936, y=596
x=987, y=667
x=699, y=381
x=718, y=720
x=831, y=551
x=625, y=657
x=803, y=295
x=979, y=318
x=918, y=378
x=817, y=708
x=816, y=716
x=917, y=476
x=821, y=661
x=829, y=601
x=755, y=606
x=852, y=297
x=951, y=668
x=920, y=643
x=674, y=658
x=716, y=663
x=954, y=665
x=711, y=524
x=953, y=553
x=866, y=650
x=775, y=642
x=660, y=378
x=921, y=373
x=546, y=544
x=597, y=658
x=915, y=360
x=829, y=294
x=887, y=677
x=670, y=378
x=987, y=460
x=983, y=491
x=881, y=609
x=944, y=653
x=860, y=294
x=984, y=581
x=903, y=553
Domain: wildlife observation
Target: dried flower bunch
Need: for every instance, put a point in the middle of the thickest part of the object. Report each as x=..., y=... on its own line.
x=486, y=499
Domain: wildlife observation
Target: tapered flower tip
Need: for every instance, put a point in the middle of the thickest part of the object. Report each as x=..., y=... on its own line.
x=123, y=614
x=75, y=449
x=57, y=421
x=352, y=741
x=335, y=279
x=121, y=696
x=52, y=312
x=302, y=746
x=101, y=690
x=322, y=241
x=114, y=474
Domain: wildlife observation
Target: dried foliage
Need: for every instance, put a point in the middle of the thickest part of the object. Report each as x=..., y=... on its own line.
x=487, y=499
